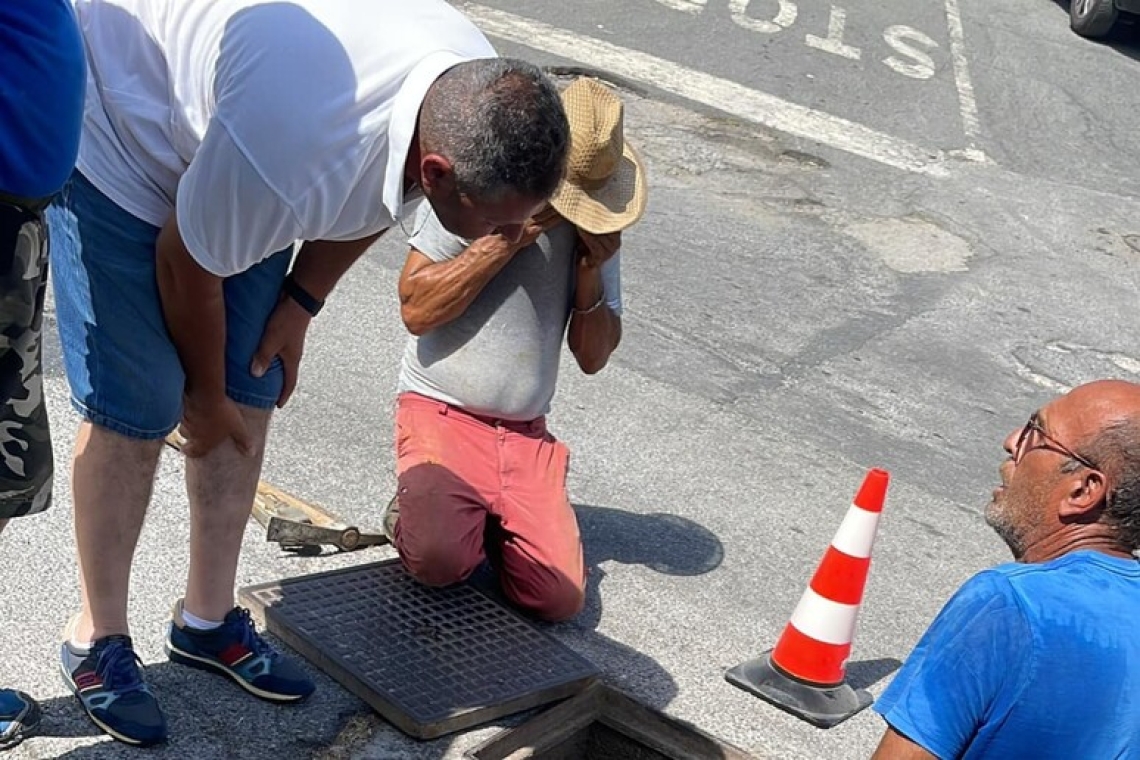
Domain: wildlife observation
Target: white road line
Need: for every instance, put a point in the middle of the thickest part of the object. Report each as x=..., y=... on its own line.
x=833, y=43
x=688, y=6
x=966, y=102
x=721, y=94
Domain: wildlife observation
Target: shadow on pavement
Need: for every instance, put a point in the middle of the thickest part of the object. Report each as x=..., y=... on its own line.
x=866, y=673
x=1125, y=39
x=665, y=543
x=209, y=719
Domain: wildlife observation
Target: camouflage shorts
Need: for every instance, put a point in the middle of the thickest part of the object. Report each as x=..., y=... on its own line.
x=25, y=443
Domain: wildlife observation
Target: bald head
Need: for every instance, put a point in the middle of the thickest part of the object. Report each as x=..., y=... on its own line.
x=1098, y=404
x=1102, y=419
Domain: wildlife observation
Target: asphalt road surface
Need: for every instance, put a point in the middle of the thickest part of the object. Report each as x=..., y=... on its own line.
x=882, y=258
x=1009, y=80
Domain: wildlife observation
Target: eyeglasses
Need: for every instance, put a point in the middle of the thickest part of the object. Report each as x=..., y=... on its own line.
x=1047, y=442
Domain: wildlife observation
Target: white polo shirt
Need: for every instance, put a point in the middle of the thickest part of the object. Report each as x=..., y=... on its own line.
x=263, y=122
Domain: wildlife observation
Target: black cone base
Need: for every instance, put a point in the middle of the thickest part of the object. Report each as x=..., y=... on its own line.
x=822, y=706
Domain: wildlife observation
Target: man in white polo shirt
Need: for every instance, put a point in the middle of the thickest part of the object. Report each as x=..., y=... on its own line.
x=217, y=133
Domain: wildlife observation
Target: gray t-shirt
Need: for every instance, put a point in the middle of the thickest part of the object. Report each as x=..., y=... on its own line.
x=500, y=357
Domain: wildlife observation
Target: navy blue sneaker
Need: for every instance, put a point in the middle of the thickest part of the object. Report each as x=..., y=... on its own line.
x=19, y=716
x=237, y=650
x=111, y=689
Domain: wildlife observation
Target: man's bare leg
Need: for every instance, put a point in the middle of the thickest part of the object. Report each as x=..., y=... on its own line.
x=221, y=487
x=112, y=478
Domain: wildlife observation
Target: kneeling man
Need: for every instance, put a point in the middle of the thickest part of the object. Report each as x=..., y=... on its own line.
x=479, y=473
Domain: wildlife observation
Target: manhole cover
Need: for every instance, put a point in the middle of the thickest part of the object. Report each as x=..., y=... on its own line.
x=431, y=661
x=601, y=723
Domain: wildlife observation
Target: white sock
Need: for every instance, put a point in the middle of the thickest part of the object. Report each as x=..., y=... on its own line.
x=80, y=647
x=197, y=623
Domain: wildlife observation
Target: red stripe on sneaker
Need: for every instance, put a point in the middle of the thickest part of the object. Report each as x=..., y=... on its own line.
x=88, y=680
x=233, y=654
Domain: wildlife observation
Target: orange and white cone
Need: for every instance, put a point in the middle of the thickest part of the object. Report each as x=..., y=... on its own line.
x=805, y=673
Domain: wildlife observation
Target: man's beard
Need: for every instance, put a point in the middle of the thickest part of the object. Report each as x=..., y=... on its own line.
x=999, y=516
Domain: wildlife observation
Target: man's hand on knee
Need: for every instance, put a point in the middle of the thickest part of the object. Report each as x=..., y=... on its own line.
x=207, y=423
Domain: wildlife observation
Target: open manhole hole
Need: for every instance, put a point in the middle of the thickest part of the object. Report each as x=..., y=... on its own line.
x=601, y=723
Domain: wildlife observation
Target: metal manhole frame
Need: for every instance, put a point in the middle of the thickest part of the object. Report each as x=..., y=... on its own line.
x=275, y=621
x=603, y=704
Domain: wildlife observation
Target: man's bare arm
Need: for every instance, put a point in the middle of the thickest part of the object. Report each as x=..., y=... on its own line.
x=195, y=312
x=318, y=267
x=194, y=309
x=321, y=263
x=895, y=746
x=595, y=330
x=434, y=293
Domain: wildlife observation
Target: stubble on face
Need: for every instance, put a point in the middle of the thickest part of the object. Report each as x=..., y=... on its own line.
x=1001, y=516
x=1015, y=507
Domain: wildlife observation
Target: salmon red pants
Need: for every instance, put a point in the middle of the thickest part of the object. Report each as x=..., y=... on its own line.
x=469, y=485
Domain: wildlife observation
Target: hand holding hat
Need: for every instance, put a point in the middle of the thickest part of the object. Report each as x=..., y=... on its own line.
x=595, y=250
x=603, y=189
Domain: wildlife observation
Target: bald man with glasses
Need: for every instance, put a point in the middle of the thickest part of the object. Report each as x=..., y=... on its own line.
x=1041, y=657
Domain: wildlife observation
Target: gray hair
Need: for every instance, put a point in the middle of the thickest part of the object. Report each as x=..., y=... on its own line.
x=501, y=124
x=1117, y=449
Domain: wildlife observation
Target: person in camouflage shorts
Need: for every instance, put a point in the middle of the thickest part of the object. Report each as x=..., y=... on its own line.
x=25, y=444
x=43, y=76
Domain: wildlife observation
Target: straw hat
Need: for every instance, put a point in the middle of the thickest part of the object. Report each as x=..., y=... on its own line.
x=603, y=189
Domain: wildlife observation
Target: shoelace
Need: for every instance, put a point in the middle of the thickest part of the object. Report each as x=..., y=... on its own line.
x=118, y=667
x=251, y=638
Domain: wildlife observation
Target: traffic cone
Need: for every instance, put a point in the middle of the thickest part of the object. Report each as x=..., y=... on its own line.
x=805, y=674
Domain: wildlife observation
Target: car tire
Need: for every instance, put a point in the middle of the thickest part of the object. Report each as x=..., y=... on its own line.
x=1092, y=18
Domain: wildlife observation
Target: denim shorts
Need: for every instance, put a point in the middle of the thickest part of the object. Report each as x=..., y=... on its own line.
x=122, y=366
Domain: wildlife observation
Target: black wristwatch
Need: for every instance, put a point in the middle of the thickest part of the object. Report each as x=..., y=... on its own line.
x=303, y=297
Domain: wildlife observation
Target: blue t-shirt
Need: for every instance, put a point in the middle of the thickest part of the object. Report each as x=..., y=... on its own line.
x=43, y=78
x=1029, y=661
